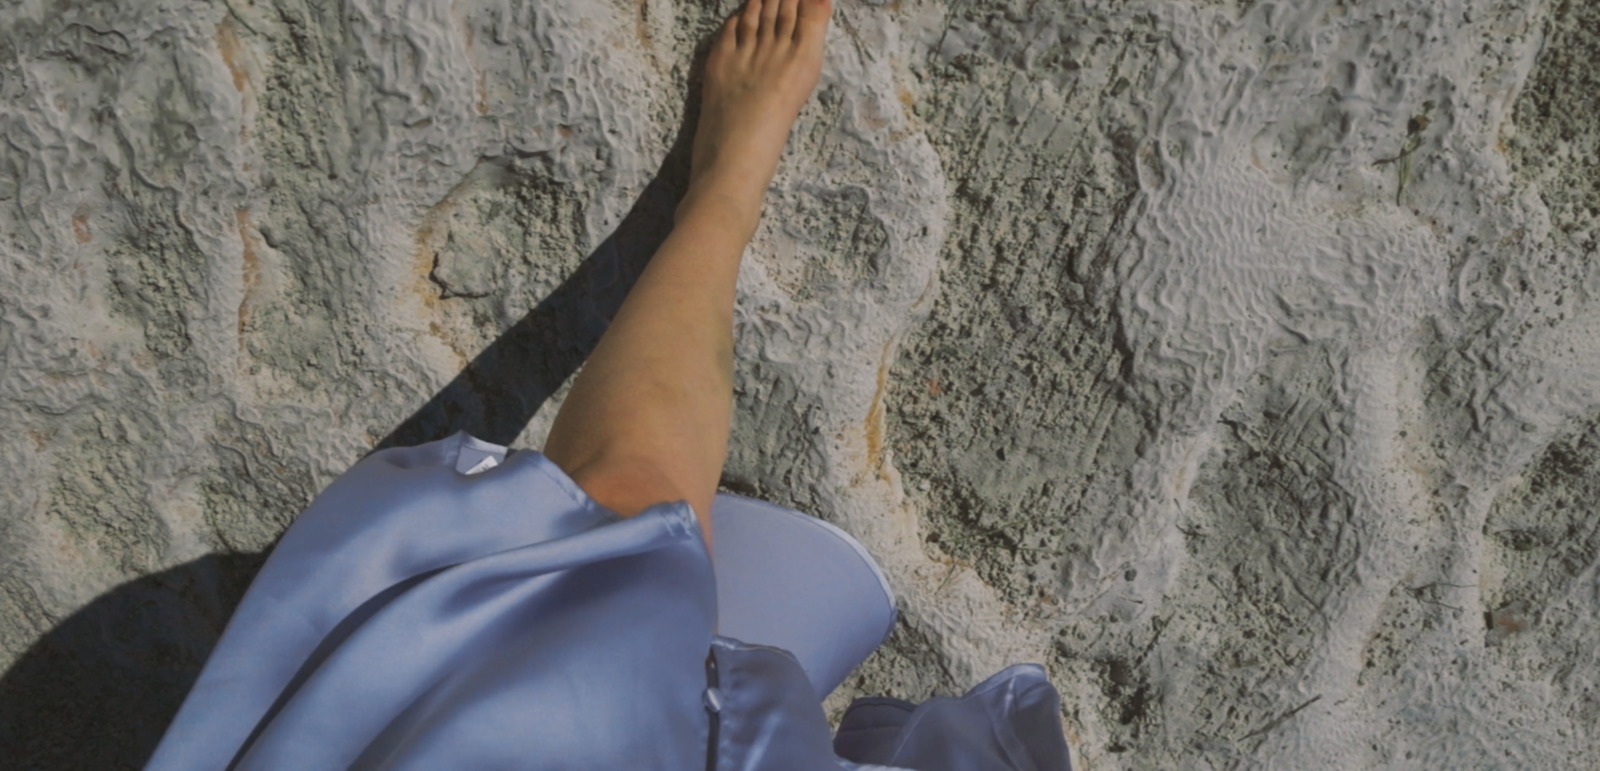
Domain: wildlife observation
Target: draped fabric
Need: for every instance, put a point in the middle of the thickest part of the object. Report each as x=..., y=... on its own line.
x=452, y=605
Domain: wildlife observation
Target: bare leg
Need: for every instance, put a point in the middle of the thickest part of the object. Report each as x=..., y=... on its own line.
x=647, y=420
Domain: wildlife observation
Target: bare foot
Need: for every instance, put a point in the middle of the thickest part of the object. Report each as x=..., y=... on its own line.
x=761, y=70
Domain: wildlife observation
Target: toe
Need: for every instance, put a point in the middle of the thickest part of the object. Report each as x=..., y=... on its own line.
x=769, y=18
x=749, y=22
x=786, y=18
x=727, y=37
x=812, y=19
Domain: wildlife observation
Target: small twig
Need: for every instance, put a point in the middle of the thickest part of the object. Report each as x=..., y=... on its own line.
x=1413, y=141
x=1280, y=719
x=1408, y=149
x=234, y=12
x=1440, y=604
x=1160, y=626
x=1416, y=593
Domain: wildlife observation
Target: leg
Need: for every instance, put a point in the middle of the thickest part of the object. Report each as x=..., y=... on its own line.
x=648, y=418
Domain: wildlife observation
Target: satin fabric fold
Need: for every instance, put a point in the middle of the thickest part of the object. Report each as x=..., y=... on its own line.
x=1009, y=721
x=413, y=613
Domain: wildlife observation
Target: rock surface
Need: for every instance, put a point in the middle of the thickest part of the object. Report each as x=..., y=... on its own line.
x=1239, y=361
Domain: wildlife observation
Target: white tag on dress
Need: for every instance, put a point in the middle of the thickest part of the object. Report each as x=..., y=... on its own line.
x=488, y=462
x=477, y=456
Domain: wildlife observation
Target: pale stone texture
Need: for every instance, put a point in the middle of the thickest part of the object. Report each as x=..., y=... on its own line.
x=1237, y=361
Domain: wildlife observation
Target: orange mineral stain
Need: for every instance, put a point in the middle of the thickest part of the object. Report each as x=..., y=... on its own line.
x=230, y=47
x=431, y=234
x=641, y=24
x=251, y=267
x=874, y=427
x=80, y=226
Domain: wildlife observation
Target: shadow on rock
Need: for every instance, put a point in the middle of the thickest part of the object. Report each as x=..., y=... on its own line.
x=98, y=690
x=498, y=393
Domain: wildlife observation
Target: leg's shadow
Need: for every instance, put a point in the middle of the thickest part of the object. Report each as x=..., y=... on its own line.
x=99, y=689
x=501, y=389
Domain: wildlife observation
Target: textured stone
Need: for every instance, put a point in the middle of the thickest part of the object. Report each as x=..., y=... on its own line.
x=1240, y=362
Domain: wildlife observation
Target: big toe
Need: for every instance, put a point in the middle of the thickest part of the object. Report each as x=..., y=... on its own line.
x=811, y=21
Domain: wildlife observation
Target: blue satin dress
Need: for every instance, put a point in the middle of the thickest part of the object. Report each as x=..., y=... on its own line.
x=456, y=606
